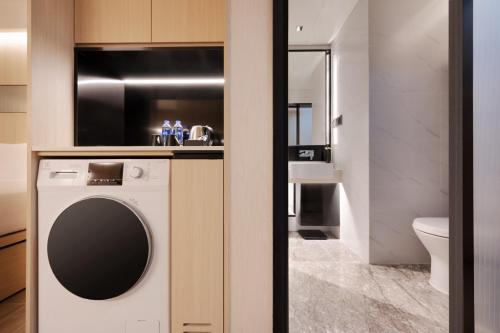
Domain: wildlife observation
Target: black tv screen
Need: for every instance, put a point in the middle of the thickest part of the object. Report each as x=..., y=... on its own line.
x=122, y=96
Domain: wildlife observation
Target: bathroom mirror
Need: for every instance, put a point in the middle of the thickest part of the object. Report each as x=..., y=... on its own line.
x=309, y=97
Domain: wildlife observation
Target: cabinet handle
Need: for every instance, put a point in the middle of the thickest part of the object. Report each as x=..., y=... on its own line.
x=197, y=328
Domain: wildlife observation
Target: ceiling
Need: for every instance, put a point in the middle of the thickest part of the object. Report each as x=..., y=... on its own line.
x=13, y=15
x=321, y=19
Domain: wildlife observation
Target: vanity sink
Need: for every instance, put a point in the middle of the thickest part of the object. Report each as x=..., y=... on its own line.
x=313, y=173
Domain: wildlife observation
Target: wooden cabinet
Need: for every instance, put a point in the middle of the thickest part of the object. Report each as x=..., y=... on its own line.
x=146, y=21
x=12, y=264
x=197, y=246
x=191, y=21
x=112, y=21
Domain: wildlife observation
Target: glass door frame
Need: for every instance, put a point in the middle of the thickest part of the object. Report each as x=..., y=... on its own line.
x=461, y=167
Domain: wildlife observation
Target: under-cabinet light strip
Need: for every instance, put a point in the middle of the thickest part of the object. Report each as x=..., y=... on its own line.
x=215, y=81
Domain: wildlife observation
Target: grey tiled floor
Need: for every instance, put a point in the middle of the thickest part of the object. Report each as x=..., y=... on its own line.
x=332, y=291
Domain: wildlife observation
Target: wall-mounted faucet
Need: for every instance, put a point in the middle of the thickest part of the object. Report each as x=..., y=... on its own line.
x=306, y=154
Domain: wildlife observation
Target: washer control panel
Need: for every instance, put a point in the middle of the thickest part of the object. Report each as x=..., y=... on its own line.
x=105, y=172
x=136, y=172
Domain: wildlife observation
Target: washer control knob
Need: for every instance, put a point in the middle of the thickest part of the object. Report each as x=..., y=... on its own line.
x=136, y=172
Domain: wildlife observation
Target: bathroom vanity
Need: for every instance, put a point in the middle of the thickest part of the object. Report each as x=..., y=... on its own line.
x=313, y=173
x=314, y=196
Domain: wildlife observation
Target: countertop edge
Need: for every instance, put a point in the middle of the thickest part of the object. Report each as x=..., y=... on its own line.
x=127, y=149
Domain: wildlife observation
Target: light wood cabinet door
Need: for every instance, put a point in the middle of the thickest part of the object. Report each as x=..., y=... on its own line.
x=197, y=246
x=188, y=21
x=112, y=21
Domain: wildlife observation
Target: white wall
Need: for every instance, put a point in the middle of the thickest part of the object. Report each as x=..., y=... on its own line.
x=393, y=145
x=350, y=98
x=248, y=165
x=408, y=124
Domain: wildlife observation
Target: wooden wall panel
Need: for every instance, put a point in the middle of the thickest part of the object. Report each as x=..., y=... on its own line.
x=13, y=128
x=113, y=21
x=13, y=98
x=32, y=247
x=51, y=80
x=13, y=58
x=189, y=21
x=249, y=167
x=13, y=14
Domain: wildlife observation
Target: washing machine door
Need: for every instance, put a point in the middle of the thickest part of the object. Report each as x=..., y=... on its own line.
x=98, y=248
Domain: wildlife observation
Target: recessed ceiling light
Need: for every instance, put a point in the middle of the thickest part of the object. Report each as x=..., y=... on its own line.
x=300, y=28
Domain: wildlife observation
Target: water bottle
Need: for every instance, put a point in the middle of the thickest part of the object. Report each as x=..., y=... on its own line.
x=178, y=132
x=166, y=130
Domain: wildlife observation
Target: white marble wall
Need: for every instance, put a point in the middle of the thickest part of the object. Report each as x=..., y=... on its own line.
x=391, y=68
x=351, y=99
x=408, y=124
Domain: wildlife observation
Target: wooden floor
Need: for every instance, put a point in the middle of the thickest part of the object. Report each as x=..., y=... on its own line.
x=12, y=314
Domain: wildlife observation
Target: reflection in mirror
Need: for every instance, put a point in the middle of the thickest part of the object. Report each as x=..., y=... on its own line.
x=309, y=97
x=300, y=124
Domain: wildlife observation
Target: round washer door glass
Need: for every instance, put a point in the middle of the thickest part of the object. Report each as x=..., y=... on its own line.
x=98, y=248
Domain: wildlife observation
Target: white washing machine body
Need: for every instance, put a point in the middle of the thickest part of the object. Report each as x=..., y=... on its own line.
x=103, y=246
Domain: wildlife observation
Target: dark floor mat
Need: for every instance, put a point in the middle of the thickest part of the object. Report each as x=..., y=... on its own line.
x=313, y=234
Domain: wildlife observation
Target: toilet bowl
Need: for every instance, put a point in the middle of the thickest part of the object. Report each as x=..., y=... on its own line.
x=433, y=232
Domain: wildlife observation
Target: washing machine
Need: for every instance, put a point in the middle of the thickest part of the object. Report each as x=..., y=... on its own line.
x=103, y=246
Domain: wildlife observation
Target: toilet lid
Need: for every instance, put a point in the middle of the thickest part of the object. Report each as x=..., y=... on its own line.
x=438, y=226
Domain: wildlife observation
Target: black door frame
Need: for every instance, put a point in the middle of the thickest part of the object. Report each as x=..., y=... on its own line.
x=461, y=167
x=280, y=166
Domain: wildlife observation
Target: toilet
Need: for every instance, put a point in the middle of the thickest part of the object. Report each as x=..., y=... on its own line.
x=433, y=232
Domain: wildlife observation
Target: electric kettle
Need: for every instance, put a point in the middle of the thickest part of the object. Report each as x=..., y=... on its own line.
x=202, y=133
